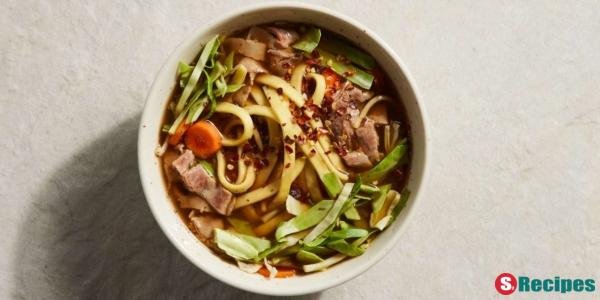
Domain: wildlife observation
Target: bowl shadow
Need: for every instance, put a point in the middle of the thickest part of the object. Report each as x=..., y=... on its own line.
x=90, y=235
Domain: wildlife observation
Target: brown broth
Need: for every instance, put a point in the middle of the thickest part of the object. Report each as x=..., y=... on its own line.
x=398, y=178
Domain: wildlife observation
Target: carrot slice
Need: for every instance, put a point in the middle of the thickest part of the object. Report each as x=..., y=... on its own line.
x=203, y=138
x=175, y=138
x=281, y=272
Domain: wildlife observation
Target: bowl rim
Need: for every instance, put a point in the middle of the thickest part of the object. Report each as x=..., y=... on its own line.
x=416, y=191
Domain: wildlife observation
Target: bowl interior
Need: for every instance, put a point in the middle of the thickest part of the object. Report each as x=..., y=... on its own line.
x=149, y=164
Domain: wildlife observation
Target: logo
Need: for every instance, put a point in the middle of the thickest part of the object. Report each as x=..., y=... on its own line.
x=507, y=283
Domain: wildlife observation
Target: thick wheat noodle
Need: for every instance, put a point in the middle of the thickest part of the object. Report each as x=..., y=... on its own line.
x=268, y=190
x=244, y=116
x=235, y=188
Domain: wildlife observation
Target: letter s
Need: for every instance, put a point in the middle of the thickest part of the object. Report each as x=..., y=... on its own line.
x=505, y=284
x=590, y=285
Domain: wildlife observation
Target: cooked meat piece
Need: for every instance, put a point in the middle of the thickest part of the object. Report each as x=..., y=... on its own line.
x=241, y=95
x=197, y=180
x=183, y=162
x=282, y=61
x=249, y=48
x=206, y=223
x=342, y=130
x=350, y=93
x=261, y=35
x=283, y=37
x=253, y=67
x=368, y=139
x=357, y=159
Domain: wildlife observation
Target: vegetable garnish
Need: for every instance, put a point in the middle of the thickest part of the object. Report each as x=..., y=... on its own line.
x=309, y=41
x=203, y=139
x=350, y=72
x=387, y=164
x=355, y=55
x=209, y=50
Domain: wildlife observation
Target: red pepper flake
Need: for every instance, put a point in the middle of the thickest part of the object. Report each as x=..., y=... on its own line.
x=288, y=140
x=260, y=163
x=279, y=91
x=349, y=73
x=315, y=54
x=288, y=165
x=289, y=148
x=287, y=76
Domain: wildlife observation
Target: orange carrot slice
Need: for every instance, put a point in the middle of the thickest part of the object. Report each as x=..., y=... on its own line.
x=175, y=138
x=281, y=272
x=203, y=138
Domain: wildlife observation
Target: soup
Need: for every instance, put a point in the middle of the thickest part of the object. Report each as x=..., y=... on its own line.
x=285, y=149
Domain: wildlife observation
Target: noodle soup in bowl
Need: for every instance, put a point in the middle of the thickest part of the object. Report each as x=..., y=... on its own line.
x=244, y=167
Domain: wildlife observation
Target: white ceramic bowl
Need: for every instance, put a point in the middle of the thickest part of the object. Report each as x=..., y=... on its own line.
x=149, y=165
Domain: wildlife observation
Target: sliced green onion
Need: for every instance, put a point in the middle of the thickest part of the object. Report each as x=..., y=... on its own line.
x=348, y=233
x=343, y=247
x=229, y=62
x=352, y=213
x=304, y=220
x=348, y=192
x=324, y=264
x=240, y=246
x=332, y=183
x=241, y=226
x=209, y=50
x=306, y=257
x=309, y=41
x=208, y=167
x=387, y=164
x=355, y=55
x=350, y=72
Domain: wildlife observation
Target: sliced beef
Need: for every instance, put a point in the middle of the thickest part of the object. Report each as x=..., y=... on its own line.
x=350, y=93
x=283, y=37
x=183, y=162
x=253, y=67
x=197, y=180
x=241, y=95
x=249, y=48
x=261, y=35
x=206, y=223
x=342, y=130
x=356, y=159
x=282, y=61
x=368, y=139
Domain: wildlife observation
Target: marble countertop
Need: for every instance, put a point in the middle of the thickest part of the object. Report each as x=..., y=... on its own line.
x=512, y=90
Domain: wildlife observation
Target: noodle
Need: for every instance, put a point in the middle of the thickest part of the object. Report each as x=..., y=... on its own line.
x=278, y=83
x=260, y=110
x=244, y=116
x=319, y=93
x=235, y=188
x=297, y=76
x=268, y=190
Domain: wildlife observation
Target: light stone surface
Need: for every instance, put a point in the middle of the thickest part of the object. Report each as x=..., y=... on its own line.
x=512, y=89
